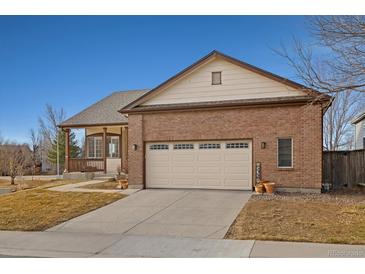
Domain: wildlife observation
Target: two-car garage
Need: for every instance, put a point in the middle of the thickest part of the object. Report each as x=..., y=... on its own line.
x=218, y=164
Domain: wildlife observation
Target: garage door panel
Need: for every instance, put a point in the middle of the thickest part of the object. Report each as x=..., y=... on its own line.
x=208, y=177
x=156, y=164
x=209, y=182
x=210, y=157
x=160, y=170
x=235, y=183
x=209, y=170
x=184, y=182
x=209, y=164
x=184, y=164
x=233, y=157
x=235, y=164
x=183, y=169
x=184, y=157
x=204, y=164
x=158, y=158
x=161, y=181
x=236, y=170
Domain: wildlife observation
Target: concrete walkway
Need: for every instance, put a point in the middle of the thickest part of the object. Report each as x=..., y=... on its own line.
x=176, y=213
x=77, y=187
x=79, y=245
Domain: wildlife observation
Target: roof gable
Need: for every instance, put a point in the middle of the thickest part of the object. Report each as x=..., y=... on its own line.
x=150, y=98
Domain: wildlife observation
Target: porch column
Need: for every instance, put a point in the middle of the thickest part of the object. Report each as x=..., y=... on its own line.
x=105, y=147
x=85, y=145
x=121, y=150
x=124, y=154
x=67, y=150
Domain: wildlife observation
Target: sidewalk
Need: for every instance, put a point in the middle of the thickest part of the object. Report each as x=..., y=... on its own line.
x=79, y=245
x=270, y=249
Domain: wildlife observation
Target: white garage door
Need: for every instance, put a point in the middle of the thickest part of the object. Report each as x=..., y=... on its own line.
x=208, y=164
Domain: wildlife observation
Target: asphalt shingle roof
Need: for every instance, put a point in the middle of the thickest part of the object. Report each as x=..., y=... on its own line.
x=105, y=111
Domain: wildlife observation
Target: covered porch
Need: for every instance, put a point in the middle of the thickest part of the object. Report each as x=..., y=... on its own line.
x=104, y=150
x=105, y=146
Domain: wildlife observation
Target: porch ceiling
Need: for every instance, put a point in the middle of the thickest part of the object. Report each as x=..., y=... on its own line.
x=110, y=129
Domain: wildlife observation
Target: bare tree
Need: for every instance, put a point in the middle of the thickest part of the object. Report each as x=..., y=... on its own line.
x=337, y=129
x=48, y=123
x=35, y=143
x=49, y=130
x=333, y=64
x=2, y=163
x=14, y=161
x=339, y=49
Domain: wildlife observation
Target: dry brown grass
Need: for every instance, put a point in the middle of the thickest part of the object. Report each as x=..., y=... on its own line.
x=39, y=209
x=309, y=218
x=103, y=185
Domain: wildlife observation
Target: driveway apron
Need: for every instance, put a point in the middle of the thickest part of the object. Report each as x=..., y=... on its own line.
x=157, y=212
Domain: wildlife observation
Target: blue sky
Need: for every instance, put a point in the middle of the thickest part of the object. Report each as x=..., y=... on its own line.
x=73, y=61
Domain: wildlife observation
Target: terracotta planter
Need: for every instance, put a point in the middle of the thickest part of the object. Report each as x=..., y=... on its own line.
x=123, y=184
x=269, y=187
x=259, y=189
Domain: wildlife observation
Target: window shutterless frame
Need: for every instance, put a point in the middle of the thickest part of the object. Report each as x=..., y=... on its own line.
x=277, y=152
x=216, y=78
x=94, y=147
x=113, y=147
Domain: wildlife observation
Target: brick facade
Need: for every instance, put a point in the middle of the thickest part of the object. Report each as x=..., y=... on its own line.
x=261, y=124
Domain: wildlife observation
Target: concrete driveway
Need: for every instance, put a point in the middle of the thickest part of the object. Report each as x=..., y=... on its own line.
x=177, y=213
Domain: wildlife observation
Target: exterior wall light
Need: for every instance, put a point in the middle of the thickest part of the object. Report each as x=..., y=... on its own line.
x=135, y=147
x=263, y=145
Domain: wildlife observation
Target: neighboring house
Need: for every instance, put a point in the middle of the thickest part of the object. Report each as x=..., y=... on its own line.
x=218, y=124
x=359, y=123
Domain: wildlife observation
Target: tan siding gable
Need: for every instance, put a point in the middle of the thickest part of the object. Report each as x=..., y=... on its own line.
x=237, y=83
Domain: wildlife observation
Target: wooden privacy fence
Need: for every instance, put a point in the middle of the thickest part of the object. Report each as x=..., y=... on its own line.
x=343, y=169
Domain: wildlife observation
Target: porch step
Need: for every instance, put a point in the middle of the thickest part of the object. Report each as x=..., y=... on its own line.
x=107, y=177
x=87, y=176
x=104, y=178
x=83, y=176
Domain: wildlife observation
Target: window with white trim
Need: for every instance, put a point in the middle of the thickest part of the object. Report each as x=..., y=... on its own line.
x=183, y=146
x=113, y=146
x=94, y=147
x=159, y=147
x=236, y=145
x=217, y=78
x=209, y=146
x=285, y=152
